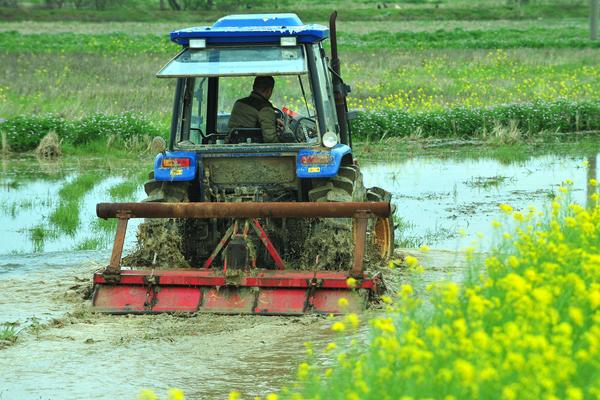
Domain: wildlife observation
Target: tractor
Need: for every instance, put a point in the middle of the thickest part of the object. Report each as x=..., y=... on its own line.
x=266, y=228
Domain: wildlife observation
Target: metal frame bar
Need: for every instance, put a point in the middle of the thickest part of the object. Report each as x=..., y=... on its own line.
x=359, y=211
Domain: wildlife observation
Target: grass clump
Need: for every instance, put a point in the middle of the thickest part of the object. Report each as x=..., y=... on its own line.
x=65, y=216
x=123, y=191
x=9, y=334
x=91, y=244
x=38, y=235
x=525, y=327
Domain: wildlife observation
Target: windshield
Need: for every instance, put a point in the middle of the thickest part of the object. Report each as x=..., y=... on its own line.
x=236, y=61
x=205, y=117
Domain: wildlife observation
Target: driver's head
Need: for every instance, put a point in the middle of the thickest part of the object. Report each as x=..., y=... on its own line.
x=264, y=85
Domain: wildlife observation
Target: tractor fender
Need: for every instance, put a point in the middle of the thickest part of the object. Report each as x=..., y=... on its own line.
x=175, y=166
x=328, y=164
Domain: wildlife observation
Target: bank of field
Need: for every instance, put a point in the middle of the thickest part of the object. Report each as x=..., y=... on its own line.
x=78, y=69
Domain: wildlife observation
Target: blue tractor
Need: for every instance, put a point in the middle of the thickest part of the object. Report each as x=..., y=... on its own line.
x=207, y=181
x=313, y=159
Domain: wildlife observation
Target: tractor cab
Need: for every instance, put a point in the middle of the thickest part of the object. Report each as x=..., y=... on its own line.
x=218, y=64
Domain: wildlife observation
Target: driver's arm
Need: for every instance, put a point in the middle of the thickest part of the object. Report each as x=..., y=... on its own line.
x=266, y=119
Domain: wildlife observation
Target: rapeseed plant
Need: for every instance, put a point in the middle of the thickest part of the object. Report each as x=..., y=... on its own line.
x=525, y=325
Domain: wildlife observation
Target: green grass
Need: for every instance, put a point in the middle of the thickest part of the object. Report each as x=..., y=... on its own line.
x=124, y=190
x=314, y=10
x=91, y=244
x=573, y=36
x=9, y=335
x=38, y=236
x=65, y=217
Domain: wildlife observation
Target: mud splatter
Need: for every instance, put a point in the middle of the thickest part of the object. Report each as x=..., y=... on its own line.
x=158, y=246
x=329, y=246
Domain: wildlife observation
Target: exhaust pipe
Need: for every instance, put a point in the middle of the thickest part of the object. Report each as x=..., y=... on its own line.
x=339, y=89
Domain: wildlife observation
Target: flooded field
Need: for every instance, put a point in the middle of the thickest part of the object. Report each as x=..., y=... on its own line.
x=65, y=351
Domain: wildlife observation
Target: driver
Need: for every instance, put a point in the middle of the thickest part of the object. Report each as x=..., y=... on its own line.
x=256, y=111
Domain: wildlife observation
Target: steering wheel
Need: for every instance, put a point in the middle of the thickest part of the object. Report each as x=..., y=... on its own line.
x=279, y=114
x=287, y=133
x=301, y=130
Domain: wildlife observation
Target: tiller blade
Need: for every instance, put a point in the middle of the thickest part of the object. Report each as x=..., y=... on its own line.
x=237, y=290
x=204, y=290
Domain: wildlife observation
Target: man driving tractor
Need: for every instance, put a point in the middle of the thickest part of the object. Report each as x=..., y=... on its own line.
x=256, y=111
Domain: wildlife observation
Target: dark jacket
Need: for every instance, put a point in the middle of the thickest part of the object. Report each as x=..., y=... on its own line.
x=255, y=111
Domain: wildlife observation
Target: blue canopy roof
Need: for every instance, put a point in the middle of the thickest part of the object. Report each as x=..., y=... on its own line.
x=253, y=28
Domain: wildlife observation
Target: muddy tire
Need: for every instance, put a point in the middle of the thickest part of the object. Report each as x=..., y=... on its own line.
x=382, y=231
x=348, y=186
x=166, y=192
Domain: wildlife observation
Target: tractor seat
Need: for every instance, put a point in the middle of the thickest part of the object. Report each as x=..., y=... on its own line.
x=241, y=135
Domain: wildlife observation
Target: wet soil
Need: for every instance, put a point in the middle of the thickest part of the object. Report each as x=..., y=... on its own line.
x=80, y=354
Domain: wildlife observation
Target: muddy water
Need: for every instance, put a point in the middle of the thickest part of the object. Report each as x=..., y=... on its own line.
x=64, y=351
x=438, y=198
x=68, y=352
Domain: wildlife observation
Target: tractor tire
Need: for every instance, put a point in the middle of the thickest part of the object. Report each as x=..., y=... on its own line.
x=382, y=232
x=333, y=237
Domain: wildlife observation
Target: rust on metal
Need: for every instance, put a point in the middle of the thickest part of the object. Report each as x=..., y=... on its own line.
x=359, y=225
x=243, y=210
x=115, y=260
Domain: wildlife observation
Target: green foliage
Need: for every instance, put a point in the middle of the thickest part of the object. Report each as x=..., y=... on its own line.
x=522, y=324
x=529, y=118
x=25, y=132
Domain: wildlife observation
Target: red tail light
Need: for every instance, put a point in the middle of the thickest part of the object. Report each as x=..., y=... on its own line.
x=175, y=162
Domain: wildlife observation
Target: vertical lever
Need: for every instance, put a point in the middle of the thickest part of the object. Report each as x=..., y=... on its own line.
x=360, y=222
x=115, y=259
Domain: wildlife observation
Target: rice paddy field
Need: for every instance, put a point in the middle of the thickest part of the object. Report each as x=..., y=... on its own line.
x=481, y=117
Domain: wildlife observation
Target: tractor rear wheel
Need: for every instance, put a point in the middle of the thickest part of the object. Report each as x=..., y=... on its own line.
x=348, y=186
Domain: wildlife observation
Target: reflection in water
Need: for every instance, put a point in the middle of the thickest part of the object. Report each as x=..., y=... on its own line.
x=436, y=198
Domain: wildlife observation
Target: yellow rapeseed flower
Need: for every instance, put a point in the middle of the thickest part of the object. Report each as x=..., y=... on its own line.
x=576, y=315
x=353, y=320
x=506, y=208
x=147, y=394
x=176, y=394
x=338, y=326
x=406, y=290
x=351, y=282
x=234, y=395
x=343, y=302
x=411, y=261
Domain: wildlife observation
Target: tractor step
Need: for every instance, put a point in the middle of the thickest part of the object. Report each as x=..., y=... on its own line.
x=259, y=291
